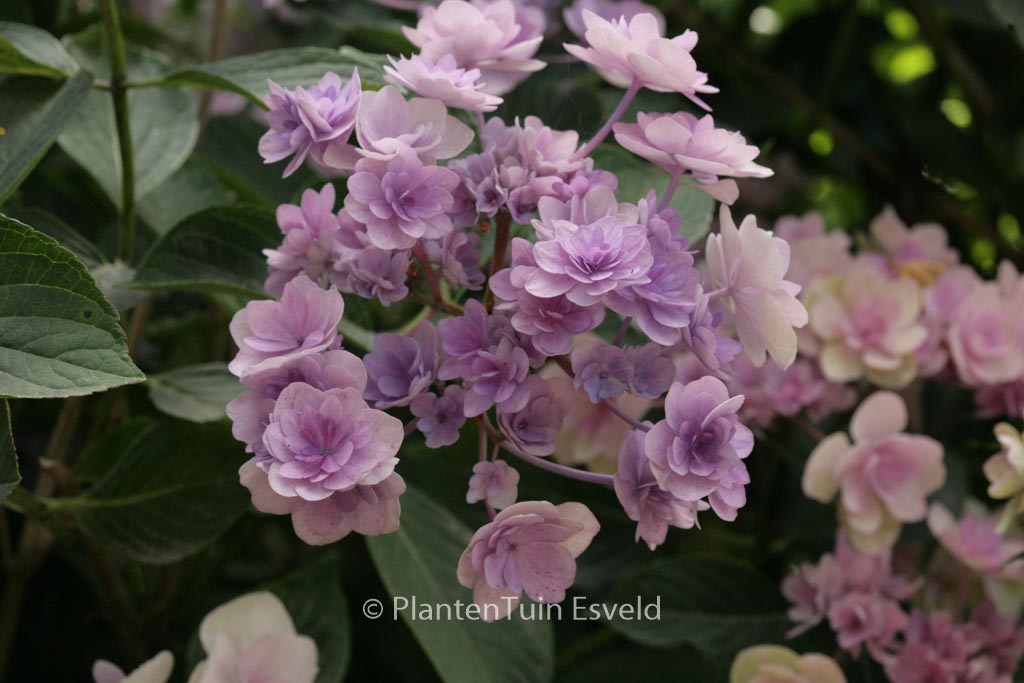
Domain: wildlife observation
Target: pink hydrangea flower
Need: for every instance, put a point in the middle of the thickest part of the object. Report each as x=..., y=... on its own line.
x=883, y=478
x=531, y=546
x=634, y=51
x=777, y=664
x=682, y=144
x=986, y=341
x=868, y=325
x=401, y=200
x=498, y=37
x=444, y=81
x=865, y=619
x=607, y=9
x=653, y=508
x=155, y=670
x=749, y=264
x=534, y=427
x=271, y=333
x=252, y=639
x=697, y=451
x=310, y=122
x=923, y=243
x=321, y=442
x=815, y=589
x=770, y=391
x=975, y=541
x=494, y=482
x=1005, y=473
x=814, y=252
x=312, y=243
x=370, y=510
x=943, y=303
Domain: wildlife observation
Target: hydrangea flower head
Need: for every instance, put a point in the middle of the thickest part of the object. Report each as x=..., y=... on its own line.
x=326, y=441
x=697, y=451
x=309, y=123
x=440, y=418
x=607, y=9
x=882, y=478
x=777, y=664
x=635, y=51
x=528, y=547
x=270, y=333
x=312, y=243
x=400, y=368
x=868, y=325
x=498, y=37
x=975, y=541
x=401, y=200
x=680, y=143
x=252, y=639
x=444, y=81
x=155, y=670
x=495, y=482
x=986, y=339
x=750, y=264
x=1005, y=473
x=534, y=428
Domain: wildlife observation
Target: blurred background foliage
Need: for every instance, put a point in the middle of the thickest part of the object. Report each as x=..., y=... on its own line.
x=855, y=103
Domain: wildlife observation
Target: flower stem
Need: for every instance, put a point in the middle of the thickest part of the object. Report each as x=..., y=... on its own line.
x=503, y=220
x=625, y=417
x=673, y=185
x=480, y=127
x=568, y=472
x=119, y=95
x=620, y=336
x=627, y=98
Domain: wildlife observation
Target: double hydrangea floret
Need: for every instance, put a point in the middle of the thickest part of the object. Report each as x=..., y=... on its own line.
x=444, y=81
x=309, y=123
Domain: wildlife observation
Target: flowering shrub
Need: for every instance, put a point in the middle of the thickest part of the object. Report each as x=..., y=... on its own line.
x=478, y=352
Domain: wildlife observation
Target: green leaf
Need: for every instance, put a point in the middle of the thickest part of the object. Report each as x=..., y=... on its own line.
x=9, y=475
x=197, y=393
x=188, y=190
x=59, y=336
x=420, y=560
x=32, y=51
x=216, y=250
x=163, y=124
x=32, y=112
x=716, y=604
x=314, y=598
x=172, y=491
x=247, y=75
x=637, y=177
x=69, y=238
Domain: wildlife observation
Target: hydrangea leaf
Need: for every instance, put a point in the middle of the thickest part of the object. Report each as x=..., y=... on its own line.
x=216, y=250
x=171, y=492
x=188, y=190
x=420, y=560
x=44, y=221
x=303, y=66
x=9, y=474
x=59, y=336
x=32, y=113
x=716, y=604
x=163, y=122
x=313, y=596
x=32, y=51
x=197, y=393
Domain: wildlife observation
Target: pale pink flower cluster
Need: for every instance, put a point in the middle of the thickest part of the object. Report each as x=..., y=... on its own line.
x=777, y=664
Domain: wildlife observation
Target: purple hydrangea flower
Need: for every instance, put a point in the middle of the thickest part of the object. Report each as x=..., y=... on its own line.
x=440, y=418
x=401, y=368
x=370, y=510
x=695, y=450
x=499, y=37
x=458, y=254
x=549, y=322
x=497, y=377
x=270, y=333
x=585, y=262
x=311, y=241
x=494, y=482
x=715, y=351
x=250, y=411
x=309, y=122
x=531, y=546
x=653, y=508
x=609, y=10
x=401, y=201
x=321, y=442
x=377, y=274
x=653, y=372
x=443, y=80
x=534, y=427
x=601, y=370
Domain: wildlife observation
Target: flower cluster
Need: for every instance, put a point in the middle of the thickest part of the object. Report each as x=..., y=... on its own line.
x=526, y=365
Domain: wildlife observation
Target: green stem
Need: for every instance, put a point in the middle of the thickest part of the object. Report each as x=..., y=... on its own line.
x=119, y=95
